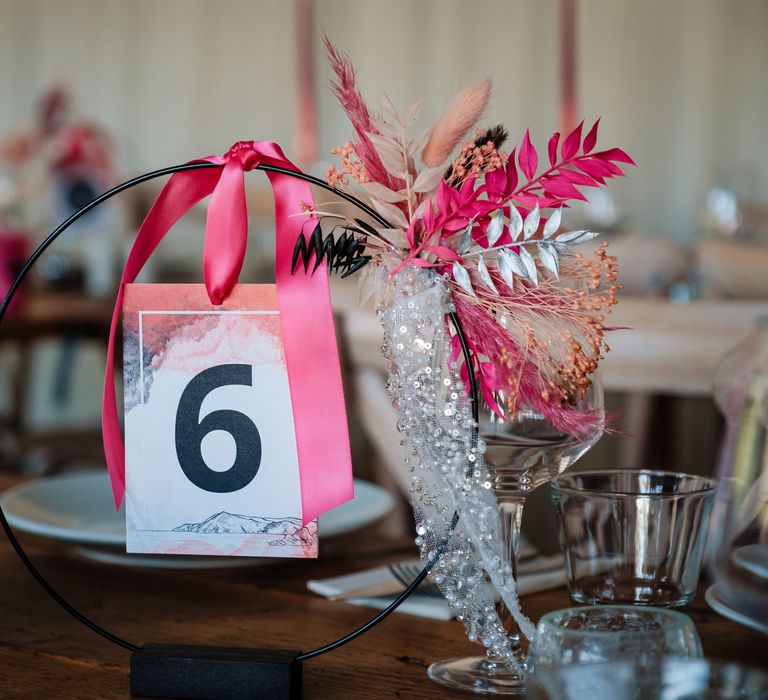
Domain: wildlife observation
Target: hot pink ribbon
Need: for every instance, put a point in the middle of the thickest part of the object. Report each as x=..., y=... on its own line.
x=311, y=355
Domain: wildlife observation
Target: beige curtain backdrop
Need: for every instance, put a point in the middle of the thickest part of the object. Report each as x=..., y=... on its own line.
x=682, y=84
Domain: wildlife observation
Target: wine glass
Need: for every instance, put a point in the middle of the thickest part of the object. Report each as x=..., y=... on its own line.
x=521, y=454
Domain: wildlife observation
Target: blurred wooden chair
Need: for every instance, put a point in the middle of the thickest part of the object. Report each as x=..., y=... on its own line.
x=73, y=320
x=732, y=269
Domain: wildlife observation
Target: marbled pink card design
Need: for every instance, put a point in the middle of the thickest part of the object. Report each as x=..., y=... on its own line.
x=210, y=449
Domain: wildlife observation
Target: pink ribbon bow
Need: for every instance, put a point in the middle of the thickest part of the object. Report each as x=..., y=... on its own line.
x=311, y=354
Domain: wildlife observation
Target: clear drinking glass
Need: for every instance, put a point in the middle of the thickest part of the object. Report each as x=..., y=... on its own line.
x=522, y=453
x=738, y=540
x=602, y=633
x=662, y=678
x=633, y=536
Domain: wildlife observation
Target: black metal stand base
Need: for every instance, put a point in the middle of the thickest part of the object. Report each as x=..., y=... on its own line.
x=215, y=673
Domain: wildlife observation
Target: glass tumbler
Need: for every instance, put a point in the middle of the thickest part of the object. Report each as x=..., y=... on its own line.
x=633, y=536
x=601, y=633
x=662, y=678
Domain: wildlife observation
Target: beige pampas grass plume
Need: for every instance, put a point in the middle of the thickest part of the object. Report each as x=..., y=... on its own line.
x=457, y=119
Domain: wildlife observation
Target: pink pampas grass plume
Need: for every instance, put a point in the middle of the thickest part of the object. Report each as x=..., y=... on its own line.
x=348, y=94
x=457, y=119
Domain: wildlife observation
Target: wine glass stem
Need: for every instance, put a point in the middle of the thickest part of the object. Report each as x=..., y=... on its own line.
x=511, y=507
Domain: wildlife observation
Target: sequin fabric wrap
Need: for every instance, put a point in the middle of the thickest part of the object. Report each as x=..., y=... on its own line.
x=458, y=524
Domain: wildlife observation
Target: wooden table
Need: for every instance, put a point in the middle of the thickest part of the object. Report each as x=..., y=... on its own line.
x=46, y=654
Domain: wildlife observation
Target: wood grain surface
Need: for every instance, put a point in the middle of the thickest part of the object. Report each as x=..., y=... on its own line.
x=45, y=654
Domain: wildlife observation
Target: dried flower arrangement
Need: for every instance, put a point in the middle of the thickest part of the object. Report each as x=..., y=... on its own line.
x=533, y=311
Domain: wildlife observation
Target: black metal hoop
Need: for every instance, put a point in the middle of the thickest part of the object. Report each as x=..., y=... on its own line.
x=63, y=227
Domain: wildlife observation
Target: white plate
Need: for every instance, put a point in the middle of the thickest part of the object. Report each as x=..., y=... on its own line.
x=754, y=558
x=716, y=600
x=78, y=508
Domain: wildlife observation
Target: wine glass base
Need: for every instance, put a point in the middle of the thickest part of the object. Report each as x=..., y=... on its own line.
x=479, y=675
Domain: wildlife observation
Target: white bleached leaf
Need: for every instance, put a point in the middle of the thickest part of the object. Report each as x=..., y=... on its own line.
x=391, y=155
x=531, y=222
x=388, y=107
x=515, y=222
x=385, y=128
x=420, y=209
x=428, y=179
x=485, y=276
x=391, y=213
x=530, y=266
x=576, y=237
x=549, y=258
x=462, y=278
x=415, y=145
x=396, y=236
x=553, y=223
x=378, y=191
x=510, y=265
x=413, y=112
x=495, y=228
x=465, y=241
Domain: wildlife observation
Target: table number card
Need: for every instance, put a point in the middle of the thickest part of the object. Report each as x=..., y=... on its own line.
x=210, y=448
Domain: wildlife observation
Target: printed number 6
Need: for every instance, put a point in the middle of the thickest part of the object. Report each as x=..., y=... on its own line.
x=190, y=431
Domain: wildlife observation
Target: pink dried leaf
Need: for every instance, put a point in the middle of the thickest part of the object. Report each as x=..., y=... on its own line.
x=443, y=197
x=531, y=200
x=577, y=178
x=511, y=174
x=428, y=217
x=552, y=148
x=496, y=180
x=528, y=158
x=615, y=169
x=458, y=118
x=590, y=140
x=560, y=187
x=443, y=252
x=593, y=167
x=464, y=374
x=572, y=142
x=488, y=397
x=615, y=154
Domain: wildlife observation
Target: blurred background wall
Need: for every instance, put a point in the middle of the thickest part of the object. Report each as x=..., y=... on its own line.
x=681, y=85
